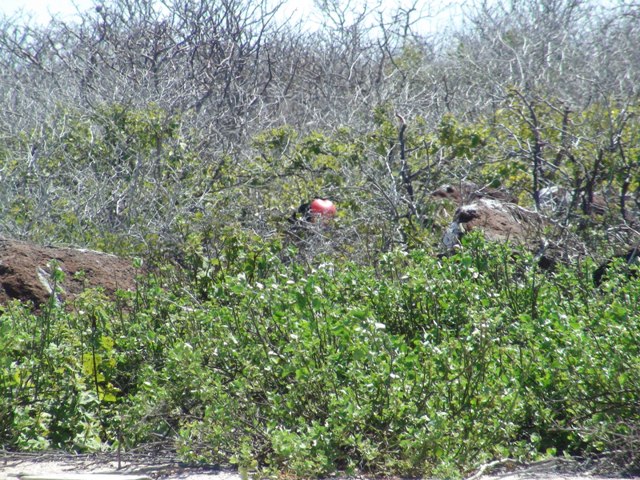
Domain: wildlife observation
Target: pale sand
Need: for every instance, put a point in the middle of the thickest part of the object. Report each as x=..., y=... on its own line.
x=13, y=466
x=41, y=467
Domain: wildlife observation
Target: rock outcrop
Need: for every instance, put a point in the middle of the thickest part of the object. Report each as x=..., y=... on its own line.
x=27, y=272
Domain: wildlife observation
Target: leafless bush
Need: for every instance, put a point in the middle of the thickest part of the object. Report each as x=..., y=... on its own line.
x=217, y=73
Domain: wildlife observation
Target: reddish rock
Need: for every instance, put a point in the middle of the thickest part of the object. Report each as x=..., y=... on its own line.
x=26, y=272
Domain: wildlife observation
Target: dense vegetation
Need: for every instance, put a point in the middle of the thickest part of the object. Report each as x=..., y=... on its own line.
x=184, y=134
x=415, y=366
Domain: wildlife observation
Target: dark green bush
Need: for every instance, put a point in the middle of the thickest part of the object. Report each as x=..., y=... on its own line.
x=421, y=366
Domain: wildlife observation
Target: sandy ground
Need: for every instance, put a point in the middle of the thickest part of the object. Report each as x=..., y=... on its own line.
x=13, y=466
x=66, y=467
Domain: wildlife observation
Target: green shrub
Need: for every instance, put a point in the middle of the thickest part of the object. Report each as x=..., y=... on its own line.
x=420, y=366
